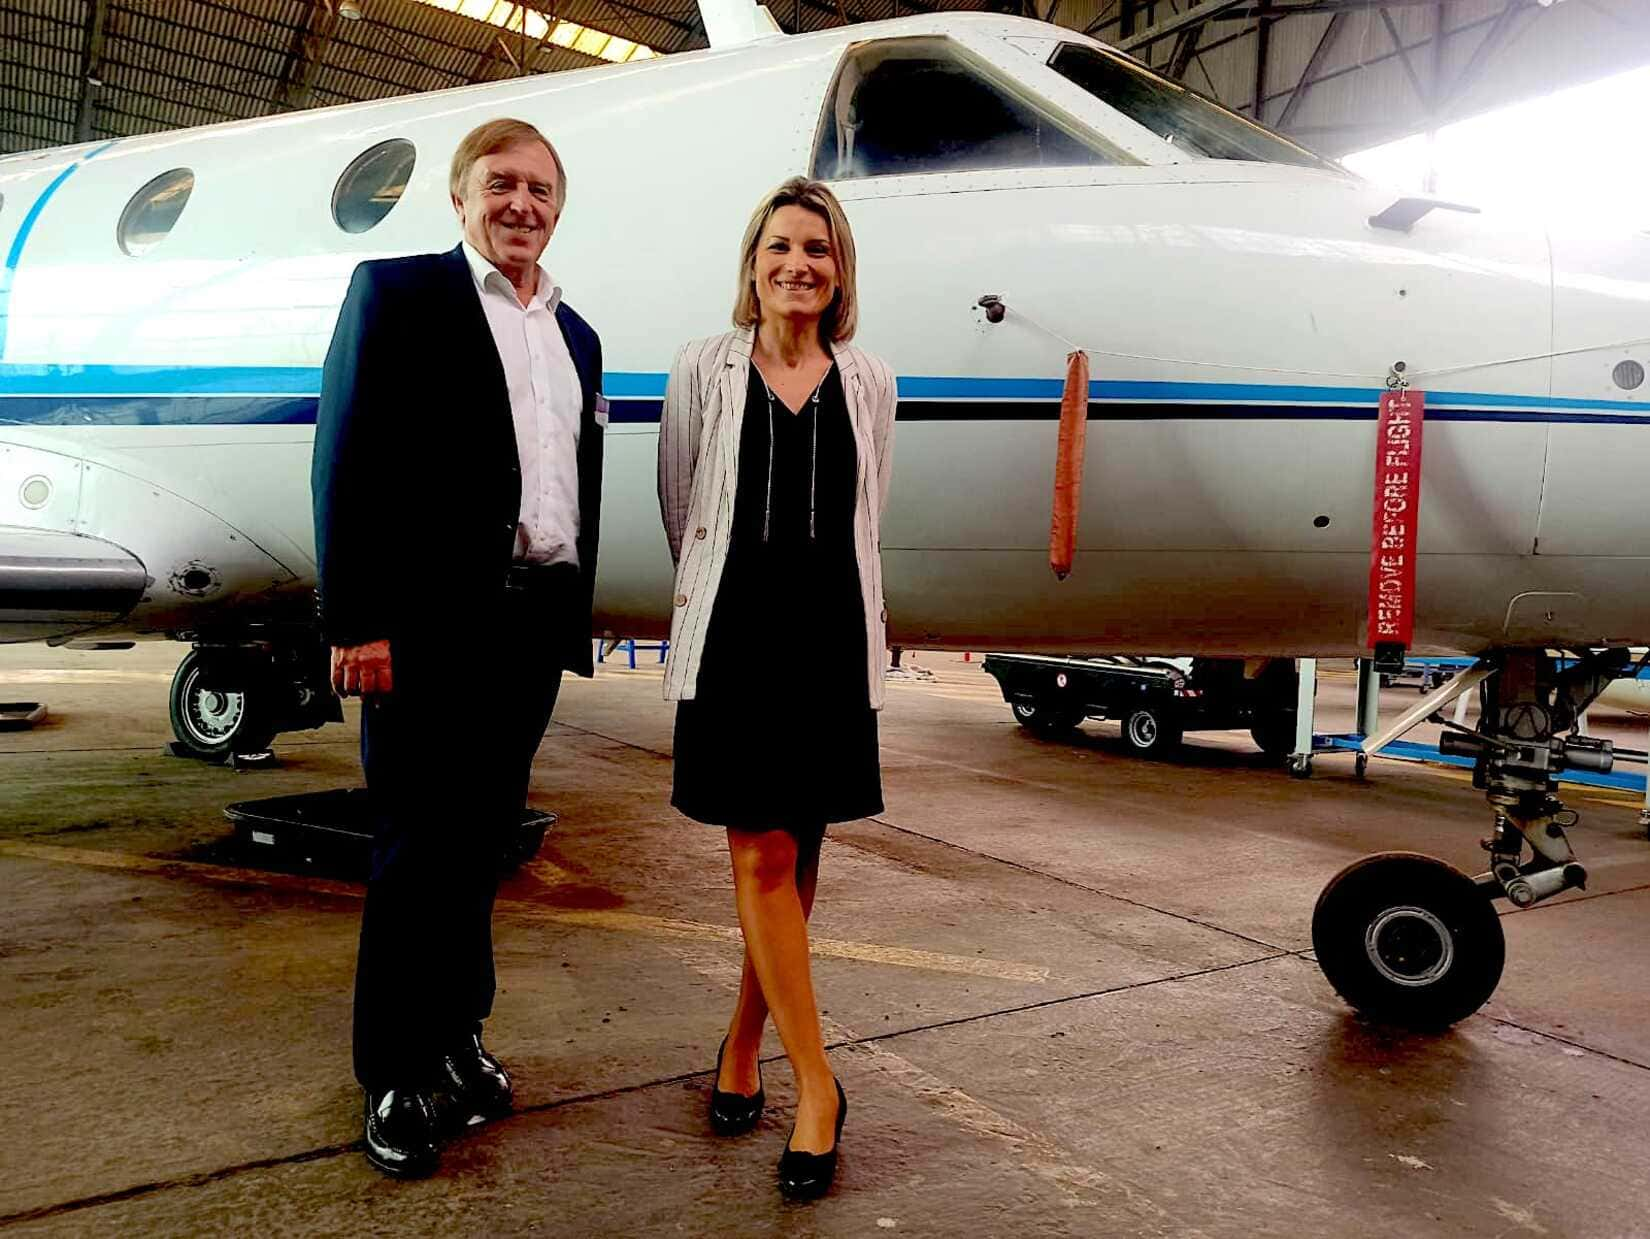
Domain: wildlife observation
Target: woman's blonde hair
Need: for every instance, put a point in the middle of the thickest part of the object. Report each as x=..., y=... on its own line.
x=841, y=317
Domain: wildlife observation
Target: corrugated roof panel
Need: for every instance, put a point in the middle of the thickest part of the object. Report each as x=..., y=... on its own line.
x=554, y=59
x=416, y=54
x=70, y=14
x=22, y=56
x=45, y=86
x=187, y=62
x=31, y=133
x=365, y=74
x=142, y=79
x=189, y=48
x=625, y=20
x=15, y=107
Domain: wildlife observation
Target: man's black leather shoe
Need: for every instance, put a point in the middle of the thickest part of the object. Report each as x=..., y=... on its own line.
x=734, y=1114
x=476, y=1085
x=401, y=1133
x=808, y=1176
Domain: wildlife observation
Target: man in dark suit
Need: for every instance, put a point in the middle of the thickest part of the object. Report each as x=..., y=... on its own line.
x=457, y=488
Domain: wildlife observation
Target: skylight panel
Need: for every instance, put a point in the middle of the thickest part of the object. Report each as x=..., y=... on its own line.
x=519, y=19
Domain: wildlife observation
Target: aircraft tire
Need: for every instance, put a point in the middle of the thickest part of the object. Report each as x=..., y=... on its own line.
x=1044, y=719
x=1150, y=732
x=1408, y=940
x=211, y=723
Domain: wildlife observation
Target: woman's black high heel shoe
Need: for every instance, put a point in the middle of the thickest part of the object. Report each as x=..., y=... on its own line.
x=807, y=1176
x=734, y=1114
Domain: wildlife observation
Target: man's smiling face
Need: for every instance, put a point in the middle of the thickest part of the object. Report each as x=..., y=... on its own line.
x=510, y=207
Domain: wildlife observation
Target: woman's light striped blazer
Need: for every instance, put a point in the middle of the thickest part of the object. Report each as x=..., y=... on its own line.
x=699, y=472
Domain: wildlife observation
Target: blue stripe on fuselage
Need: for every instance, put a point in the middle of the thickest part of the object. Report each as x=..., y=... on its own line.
x=46, y=394
x=14, y=256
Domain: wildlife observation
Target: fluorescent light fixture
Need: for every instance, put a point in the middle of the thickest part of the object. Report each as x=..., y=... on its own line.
x=518, y=18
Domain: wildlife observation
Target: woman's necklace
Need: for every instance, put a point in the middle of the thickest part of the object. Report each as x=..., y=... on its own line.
x=813, y=451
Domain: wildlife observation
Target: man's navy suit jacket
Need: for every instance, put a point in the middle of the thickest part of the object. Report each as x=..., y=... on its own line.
x=416, y=478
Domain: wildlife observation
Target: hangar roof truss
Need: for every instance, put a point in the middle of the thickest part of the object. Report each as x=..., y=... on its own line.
x=1336, y=74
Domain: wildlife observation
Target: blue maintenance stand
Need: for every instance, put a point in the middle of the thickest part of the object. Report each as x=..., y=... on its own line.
x=1409, y=750
x=630, y=645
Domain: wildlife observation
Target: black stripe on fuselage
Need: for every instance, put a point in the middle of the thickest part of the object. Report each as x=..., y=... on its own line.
x=300, y=411
x=157, y=410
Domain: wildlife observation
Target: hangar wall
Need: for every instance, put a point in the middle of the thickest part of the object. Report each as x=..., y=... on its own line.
x=1344, y=75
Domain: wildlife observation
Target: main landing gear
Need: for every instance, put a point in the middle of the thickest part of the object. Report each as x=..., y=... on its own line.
x=1409, y=940
x=230, y=698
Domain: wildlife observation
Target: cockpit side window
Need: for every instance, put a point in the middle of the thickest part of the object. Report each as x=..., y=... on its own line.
x=1194, y=124
x=905, y=106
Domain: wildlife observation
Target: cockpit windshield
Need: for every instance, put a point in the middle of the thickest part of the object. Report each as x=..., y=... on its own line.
x=926, y=104
x=1194, y=124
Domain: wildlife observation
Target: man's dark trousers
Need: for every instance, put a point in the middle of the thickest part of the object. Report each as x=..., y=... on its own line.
x=448, y=756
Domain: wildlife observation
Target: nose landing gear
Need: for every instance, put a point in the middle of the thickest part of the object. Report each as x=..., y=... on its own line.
x=1410, y=940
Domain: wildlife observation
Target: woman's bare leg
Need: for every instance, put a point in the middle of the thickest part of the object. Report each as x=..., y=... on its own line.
x=750, y=1013
x=766, y=891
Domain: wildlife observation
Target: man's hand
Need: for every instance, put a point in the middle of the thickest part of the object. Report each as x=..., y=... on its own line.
x=362, y=670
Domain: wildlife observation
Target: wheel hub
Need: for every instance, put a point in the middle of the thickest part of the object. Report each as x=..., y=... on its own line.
x=1143, y=728
x=211, y=714
x=1409, y=946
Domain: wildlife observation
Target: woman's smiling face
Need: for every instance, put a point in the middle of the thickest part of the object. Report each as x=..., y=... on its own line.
x=795, y=267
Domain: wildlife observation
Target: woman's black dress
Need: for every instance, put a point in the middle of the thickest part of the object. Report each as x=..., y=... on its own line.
x=780, y=733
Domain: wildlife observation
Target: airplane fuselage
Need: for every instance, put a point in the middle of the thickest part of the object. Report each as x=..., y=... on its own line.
x=1243, y=318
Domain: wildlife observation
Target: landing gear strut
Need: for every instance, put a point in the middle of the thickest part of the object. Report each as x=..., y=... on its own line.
x=1410, y=940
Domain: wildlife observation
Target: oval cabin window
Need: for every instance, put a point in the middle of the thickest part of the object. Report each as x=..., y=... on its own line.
x=372, y=185
x=153, y=211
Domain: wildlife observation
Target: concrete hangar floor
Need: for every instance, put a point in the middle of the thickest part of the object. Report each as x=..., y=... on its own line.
x=1069, y=991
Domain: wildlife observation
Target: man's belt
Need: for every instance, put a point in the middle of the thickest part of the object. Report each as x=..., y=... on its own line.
x=541, y=578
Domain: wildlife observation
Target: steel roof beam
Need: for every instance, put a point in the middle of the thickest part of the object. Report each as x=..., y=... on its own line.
x=91, y=65
x=303, y=58
x=1185, y=48
x=1263, y=53
x=1492, y=40
x=1422, y=95
x=1331, y=35
x=1207, y=11
x=618, y=6
x=1364, y=65
x=1254, y=10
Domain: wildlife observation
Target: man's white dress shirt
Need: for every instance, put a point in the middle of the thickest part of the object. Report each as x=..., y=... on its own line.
x=545, y=401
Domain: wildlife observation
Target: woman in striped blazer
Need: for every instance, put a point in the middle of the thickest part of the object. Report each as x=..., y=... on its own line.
x=774, y=454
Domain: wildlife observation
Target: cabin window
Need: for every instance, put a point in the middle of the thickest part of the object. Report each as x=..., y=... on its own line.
x=904, y=106
x=1182, y=117
x=153, y=211
x=372, y=185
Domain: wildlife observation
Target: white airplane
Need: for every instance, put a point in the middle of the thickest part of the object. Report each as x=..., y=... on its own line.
x=166, y=302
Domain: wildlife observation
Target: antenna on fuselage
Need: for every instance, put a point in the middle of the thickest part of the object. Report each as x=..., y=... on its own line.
x=729, y=23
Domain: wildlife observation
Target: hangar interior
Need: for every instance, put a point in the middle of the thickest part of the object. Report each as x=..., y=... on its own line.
x=1339, y=75
x=1071, y=989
